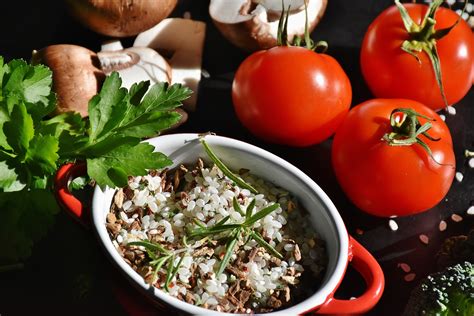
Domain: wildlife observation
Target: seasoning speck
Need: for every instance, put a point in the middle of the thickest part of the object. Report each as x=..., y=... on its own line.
x=442, y=226
x=405, y=267
x=359, y=231
x=424, y=239
x=393, y=225
x=409, y=277
x=456, y=218
x=459, y=176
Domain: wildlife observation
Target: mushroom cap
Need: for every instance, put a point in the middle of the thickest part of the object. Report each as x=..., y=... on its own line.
x=120, y=18
x=77, y=76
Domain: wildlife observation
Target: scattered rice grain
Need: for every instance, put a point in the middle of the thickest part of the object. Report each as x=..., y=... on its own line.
x=424, y=239
x=405, y=267
x=442, y=226
x=456, y=218
x=410, y=277
x=393, y=225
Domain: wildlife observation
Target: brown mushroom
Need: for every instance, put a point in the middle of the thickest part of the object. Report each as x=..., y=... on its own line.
x=120, y=18
x=77, y=75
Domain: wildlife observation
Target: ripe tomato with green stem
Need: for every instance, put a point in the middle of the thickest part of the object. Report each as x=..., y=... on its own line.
x=291, y=95
x=418, y=52
x=393, y=157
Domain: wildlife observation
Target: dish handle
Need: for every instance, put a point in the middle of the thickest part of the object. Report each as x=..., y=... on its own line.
x=364, y=263
x=72, y=205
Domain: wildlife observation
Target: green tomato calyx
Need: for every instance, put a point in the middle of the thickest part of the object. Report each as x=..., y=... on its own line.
x=407, y=129
x=423, y=37
x=306, y=41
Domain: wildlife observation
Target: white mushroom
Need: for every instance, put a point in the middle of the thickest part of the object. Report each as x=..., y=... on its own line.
x=253, y=24
x=134, y=64
x=182, y=40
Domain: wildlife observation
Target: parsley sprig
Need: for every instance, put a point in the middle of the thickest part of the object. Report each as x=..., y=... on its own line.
x=34, y=143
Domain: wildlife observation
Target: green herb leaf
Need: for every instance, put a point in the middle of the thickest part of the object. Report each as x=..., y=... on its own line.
x=42, y=155
x=30, y=84
x=149, y=124
x=222, y=221
x=26, y=217
x=229, y=250
x=173, y=272
x=19, y=131
x=249, y=210
x=259, y=215
x=163, y=97
x=149, y=246
x=101, y=107
x=213, y=230
x=8, y=177
x=4, y=117
x=158, y=265
x=125, y=160
x=169, y=273
x=78, y=183
x=235, y=178
x=236, y=206
x=262, y=242
x=115, y=111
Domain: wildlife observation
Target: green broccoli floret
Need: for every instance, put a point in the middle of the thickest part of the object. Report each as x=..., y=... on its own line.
x=450, y=292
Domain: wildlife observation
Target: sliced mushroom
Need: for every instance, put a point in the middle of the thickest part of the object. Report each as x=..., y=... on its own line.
x=182, y=42
x=134, y=64
x=253, y=24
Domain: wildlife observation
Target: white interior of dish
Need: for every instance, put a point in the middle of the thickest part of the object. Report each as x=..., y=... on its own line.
x=186, y=148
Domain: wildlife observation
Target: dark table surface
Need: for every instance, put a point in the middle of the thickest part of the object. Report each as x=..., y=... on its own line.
x=69, y=274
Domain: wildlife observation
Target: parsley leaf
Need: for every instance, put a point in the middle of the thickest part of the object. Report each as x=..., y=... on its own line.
x=113, y=168
x=26, y=217
x=42, y=155
x=19, y=131
x=32, y=85
x=7, y=176
x=113, y=111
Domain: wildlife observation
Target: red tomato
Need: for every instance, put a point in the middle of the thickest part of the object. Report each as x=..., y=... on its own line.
x=392, y=73
x=391, y=180
x=291, y=95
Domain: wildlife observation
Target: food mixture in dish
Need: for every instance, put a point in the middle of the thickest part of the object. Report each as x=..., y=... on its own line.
x=197, y=235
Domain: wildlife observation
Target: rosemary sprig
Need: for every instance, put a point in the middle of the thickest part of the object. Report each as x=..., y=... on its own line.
x=229, y=174
x=250, y=208
x=157, y=262
x=237, y=232
x=229, y=251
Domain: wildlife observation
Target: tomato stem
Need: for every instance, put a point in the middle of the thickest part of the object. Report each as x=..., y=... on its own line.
x=305, y=41
x=407, y=129
x=423, y=37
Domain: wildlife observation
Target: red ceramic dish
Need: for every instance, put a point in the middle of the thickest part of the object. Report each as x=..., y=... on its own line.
x=185, y=148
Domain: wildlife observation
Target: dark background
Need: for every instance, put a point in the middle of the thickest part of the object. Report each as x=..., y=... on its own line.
x=69, y=274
